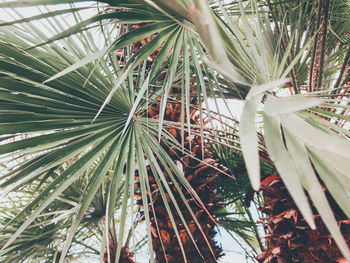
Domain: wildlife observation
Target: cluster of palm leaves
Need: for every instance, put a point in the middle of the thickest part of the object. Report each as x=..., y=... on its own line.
x=78, y=93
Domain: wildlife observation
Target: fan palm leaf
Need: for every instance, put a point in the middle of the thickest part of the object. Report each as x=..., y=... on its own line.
x=57, y=116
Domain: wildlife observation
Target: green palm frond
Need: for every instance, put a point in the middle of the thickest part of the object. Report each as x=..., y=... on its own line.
x=57, y=115
x=287, y=134
x=43, y=240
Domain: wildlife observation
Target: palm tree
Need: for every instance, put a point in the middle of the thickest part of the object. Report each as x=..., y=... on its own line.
x=78, y=104
x=43, y=240
x=241, y=214
x=202, y=176
x=289, y=238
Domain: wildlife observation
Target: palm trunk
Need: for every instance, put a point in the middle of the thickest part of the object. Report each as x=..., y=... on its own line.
x=289, y=238
x=125, y=255
x=202, y=178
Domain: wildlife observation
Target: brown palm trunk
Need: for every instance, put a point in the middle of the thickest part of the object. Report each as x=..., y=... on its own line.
x=202, y=178
x=125, y=255
x=289, y=238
